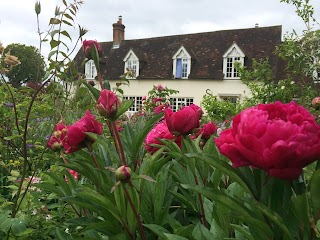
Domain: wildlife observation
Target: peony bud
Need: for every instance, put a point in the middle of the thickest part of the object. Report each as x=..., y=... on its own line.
x=123, y=173
x=56, y=146
x=108, y=103
x=87, y=46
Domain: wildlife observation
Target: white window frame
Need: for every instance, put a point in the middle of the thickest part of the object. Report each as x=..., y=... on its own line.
x=137, y=103
x=90, y=70
x=131, y=63
x=232, y=55
x=185, y=57
x=235, y=98
x=179, y=102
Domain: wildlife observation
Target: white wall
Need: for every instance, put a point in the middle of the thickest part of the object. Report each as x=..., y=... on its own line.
x=187, y=88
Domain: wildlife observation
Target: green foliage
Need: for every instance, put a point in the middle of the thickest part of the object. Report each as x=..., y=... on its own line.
x=32, y=67
x=218, y=110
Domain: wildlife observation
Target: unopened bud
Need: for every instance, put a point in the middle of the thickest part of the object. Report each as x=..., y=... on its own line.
x=37, y=8
x=56, y=146
x=123, y=174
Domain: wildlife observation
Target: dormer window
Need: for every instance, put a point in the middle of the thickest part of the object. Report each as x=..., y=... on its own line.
x=131, y=63
x=181, y=63
x=90, y=70
x=233, y=55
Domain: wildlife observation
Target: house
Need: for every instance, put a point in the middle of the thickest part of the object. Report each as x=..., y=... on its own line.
x=193, y=64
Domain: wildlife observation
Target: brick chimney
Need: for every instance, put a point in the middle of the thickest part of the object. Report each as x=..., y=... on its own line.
x=118, y=32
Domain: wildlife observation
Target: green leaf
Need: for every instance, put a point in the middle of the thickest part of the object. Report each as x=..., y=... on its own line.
x=54, y=43
x=315, y=193
x=61, y=235
x=174, y=237
x=158, y=230
x=95, y=57
x=221, y=198
x=243, y=231
x=201, y=232
x=223, y=167
x=65, y=33
x=12, y=137
x=54, y=21
x=95, y=92
x=124, y=106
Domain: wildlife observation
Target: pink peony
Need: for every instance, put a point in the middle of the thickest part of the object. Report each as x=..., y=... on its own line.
x=278, y=138
x=160, y=131
x=183, y=121
x=76, y=137
x=160, y=88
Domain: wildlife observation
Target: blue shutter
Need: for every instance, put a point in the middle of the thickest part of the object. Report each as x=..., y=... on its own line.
x=179, y=68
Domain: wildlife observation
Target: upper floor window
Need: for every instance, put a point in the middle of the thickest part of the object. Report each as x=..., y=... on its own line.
x=233, y=55
x=90, y=70
x=181, y=64
x=131, y=64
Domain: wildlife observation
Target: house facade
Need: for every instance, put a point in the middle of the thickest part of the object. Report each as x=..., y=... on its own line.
x=193, y=64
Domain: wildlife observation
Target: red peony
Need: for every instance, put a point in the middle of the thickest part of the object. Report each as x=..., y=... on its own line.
x=55, y=141
x=108, y=103
x=278, y=138
x=207, y=130
x=160, y=131
x=183, y=121
x=76, y=137
x=87, y=46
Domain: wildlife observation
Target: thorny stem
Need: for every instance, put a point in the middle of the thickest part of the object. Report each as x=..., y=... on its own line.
x=134, y=211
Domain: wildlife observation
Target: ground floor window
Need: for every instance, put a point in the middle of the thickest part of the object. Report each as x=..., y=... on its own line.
x=178, y=103
x=137, y=103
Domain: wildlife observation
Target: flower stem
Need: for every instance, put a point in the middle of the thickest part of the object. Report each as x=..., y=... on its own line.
x=134, y=211
x=89, y=147
x=203, y=215
x=113, y=129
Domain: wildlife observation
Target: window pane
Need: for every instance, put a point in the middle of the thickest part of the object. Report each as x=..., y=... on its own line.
x=179, y=68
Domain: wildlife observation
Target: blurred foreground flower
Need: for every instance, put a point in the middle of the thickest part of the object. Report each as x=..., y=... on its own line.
x=316, y=103
x=87, y=46
x=11, y=60
x=278, y=138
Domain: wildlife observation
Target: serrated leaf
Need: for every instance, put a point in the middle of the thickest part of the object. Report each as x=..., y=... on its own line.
x=68, y=23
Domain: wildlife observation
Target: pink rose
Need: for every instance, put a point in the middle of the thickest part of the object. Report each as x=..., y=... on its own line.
x=183, y=121
x=159, y=131
x=55, y=141
x=278, y=138
x=87, y=46
x=207, y=130
x=76, y=137
x=108, y=103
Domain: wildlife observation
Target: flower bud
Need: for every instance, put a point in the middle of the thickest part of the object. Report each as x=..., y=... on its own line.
x=37, y=8
x=123, y=173
x=108, y=103
x=56, y=146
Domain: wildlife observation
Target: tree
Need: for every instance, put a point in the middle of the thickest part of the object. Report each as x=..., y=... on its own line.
x=32, y=67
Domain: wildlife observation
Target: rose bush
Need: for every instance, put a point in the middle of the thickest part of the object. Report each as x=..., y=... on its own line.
x=278, y=138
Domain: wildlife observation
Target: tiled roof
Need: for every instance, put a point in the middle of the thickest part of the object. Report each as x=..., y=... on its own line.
x=206, y=50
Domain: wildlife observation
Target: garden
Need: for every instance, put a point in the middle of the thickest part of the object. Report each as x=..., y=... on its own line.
x=75, y=165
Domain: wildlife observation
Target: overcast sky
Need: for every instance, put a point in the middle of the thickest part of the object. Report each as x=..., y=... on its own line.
x=149, y=18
